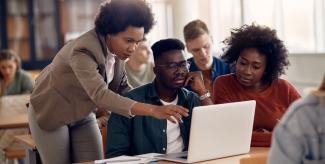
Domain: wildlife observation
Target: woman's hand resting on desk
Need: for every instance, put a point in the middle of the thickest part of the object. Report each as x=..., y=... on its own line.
x=168, y=112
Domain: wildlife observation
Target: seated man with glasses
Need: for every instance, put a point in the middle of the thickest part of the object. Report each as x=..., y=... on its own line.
x=144, y=134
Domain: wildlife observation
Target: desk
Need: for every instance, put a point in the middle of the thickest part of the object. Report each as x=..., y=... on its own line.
x=254, y=152
x=13, y=105
x=13, y=111
x=9, y=127
x=11, y=122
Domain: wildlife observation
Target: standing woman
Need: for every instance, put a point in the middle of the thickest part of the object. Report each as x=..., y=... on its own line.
x=13, y=80
x=259, y=58
x=86, y=74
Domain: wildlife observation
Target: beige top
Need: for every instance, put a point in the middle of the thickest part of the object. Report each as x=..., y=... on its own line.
x=73, y=85
x=139, y=78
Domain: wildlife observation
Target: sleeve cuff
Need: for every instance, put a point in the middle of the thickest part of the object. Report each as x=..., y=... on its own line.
x=131, y=106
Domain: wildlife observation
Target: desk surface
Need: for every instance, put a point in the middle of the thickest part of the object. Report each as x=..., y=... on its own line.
x=13, y=111
x=17, y=121
x=254, y=152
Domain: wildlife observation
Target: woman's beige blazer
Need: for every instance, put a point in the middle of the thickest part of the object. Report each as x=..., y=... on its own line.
x=73, y=85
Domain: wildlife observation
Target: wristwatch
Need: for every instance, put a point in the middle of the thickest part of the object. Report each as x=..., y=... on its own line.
x=206, y=95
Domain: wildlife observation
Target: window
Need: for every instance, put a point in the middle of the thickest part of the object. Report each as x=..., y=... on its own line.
x=46, y=35
x=31, y=30
x=162, y=10
x=18, y=28
x=224, y=19
x=299, y=23
x=77, y=17
x=299, y=26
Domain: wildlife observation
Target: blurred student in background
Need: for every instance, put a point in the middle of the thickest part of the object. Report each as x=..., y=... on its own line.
x=139, y=66
x=259, y=58
x=13, y=79
x=199, y=43
x=299, y=136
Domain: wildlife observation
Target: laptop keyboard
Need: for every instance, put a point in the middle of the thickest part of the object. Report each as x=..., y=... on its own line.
x=183, y=157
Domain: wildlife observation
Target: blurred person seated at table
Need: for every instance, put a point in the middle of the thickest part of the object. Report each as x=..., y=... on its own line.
x=144, y=134
x=259, y=57
x=139, y=67
x=199, y=43
x=299, y=136
x=13, y=79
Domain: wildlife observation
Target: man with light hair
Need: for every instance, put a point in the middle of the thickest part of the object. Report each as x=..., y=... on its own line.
x=199, y=43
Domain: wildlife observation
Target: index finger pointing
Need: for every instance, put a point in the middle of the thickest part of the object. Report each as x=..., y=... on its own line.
x=182, y=111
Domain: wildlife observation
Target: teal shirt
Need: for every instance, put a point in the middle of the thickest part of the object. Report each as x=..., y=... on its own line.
x=144, y=134
x=23, y=83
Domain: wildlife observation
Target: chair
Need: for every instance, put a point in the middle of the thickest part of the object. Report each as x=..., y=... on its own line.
x=32, y=155
x=9, y=155
x=258, y=159
x=103, y=131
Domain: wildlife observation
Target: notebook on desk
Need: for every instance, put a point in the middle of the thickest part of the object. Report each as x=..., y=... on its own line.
x=218, y=131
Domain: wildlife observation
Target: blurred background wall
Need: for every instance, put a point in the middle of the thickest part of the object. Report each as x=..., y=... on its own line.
x=37, y=29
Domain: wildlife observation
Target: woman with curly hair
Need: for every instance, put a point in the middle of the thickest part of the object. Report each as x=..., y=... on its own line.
x=258, y=58
x=88, y=74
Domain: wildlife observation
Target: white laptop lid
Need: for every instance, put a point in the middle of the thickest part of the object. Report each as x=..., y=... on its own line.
x=219, y=131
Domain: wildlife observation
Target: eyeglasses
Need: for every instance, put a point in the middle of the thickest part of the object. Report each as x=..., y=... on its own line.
x=173, y=66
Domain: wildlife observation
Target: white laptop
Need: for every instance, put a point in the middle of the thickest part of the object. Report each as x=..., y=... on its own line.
x=218, y=131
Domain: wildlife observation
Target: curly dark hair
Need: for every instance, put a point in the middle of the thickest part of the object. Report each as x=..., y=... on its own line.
x=266, y=42
x=115, y=16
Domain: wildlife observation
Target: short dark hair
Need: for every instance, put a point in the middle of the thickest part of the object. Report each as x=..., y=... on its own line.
x=115, y=16
x=165, y=45
x=194, y=29
x=266, y=42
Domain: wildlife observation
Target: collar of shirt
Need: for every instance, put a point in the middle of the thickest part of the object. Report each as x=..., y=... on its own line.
x=110, y=61
x=153, y=94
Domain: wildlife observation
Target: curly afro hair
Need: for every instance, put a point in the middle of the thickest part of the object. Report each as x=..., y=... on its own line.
x=265, y=41
x=115, y=16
